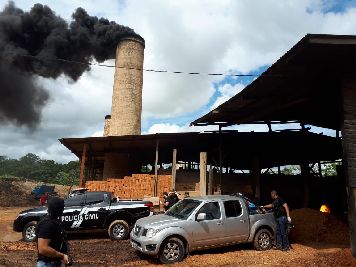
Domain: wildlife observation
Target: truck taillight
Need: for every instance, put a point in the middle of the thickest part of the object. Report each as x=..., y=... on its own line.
x=150, y=205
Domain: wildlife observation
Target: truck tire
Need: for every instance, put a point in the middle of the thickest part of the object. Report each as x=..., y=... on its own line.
x=172, y=250
x=263, y=240
x=119, y=230
x=29, y=232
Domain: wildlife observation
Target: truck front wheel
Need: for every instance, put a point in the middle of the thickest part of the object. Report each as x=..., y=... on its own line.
x=118, y=230
x=263, y=240
x=172, y=250
x=29, y=232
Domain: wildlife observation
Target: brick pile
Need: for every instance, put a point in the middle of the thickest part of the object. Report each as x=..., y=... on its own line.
x=137, y=186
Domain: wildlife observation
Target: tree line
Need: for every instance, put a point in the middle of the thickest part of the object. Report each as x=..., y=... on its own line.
x=33, y=167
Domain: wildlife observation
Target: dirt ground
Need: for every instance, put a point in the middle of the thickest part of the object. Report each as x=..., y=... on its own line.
x=98, y=250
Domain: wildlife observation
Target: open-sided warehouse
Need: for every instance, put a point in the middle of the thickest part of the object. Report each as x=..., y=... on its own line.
x=230, y=150
x=313, y=83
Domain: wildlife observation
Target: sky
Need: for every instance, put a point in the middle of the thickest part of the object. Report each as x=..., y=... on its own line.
x=206, y=36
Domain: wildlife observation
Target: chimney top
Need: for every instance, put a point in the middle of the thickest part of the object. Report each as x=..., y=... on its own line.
x=136, y=38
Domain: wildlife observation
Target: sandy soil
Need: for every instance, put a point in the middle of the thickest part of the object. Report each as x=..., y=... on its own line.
x=100, y=251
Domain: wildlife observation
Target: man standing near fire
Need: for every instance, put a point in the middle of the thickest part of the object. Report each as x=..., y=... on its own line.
x=281, y=213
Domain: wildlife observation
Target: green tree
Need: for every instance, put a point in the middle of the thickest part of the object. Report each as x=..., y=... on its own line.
x=290, y=170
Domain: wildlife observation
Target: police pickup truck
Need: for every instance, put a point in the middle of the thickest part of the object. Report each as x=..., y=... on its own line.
x=202, y=222
x=89, y=210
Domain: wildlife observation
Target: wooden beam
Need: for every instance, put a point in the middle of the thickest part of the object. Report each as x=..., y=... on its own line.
x=203, y=161
x=155, y=186
x=174, y=168
x=82, y=165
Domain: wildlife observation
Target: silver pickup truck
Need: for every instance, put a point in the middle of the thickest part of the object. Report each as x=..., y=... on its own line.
x=202, y=222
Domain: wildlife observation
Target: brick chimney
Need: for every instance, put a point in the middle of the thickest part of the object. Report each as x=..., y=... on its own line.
x=127, y=91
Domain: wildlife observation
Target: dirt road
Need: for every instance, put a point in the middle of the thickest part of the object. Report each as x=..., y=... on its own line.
x=100, y=251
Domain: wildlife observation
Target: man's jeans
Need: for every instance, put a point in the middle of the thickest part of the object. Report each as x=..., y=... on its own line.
x=48, y=264
x=282, y=233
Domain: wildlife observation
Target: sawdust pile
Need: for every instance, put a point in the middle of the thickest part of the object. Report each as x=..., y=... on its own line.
x=17, y=193
x=315, y=226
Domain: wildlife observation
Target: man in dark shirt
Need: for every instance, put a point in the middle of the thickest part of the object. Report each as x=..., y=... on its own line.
x=51, y=239
x=281, y=213
x=172, y=198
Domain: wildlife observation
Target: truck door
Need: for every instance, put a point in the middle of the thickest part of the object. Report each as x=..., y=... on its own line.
x=209, y=232
x=73, y=207
x=95, y=210
x=237, y=224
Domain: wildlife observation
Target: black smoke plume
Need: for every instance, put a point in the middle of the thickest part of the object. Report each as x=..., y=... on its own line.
x=31, y=44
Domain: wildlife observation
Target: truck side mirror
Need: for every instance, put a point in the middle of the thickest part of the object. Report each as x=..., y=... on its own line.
x=201, y=217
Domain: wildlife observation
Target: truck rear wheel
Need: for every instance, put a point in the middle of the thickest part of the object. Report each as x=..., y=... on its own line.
x=263, y=240
x=119, y=230
x=172, y=250
x=29, y=232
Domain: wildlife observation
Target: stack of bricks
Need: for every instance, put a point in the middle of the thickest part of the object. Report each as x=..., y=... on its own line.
x=137, y=186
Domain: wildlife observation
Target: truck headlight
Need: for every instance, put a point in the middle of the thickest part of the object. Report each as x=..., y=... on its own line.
x=152, y=232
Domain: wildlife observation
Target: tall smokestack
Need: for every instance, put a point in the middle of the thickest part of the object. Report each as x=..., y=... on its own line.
x=127, y=92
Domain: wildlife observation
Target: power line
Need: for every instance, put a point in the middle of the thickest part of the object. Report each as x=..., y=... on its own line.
x=131, y=68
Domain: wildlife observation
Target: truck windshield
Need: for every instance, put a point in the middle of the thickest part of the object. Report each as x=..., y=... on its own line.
x=183, y=208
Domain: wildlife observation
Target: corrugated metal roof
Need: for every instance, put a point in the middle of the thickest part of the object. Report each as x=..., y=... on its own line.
x=303, y=85
x=239, y=148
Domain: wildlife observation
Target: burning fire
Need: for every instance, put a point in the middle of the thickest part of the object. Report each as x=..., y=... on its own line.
x=324, y=208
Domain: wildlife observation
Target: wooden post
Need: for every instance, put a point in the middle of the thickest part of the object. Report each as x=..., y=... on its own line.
x=82, y=165
x=304, y=171
x=203, y=160
x=348, y=130
x=211, y=182
x=220, y=159
x=155, y=186
x=319, y=170
x=174, y=168
x=256, y=177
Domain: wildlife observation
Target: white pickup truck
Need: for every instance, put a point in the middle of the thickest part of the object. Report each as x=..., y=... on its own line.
x=199, y=223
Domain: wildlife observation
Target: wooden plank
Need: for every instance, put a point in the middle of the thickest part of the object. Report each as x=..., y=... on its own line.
x=174, y=168
x=203, y=161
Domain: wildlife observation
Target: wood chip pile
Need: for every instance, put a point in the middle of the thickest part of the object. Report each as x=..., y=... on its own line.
x=315, y=226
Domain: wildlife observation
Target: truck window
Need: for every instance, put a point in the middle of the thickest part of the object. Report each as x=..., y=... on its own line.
x=183, y=208
x=94, y=198
x=77, y=200
x=211, y=209
x=232, y=208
